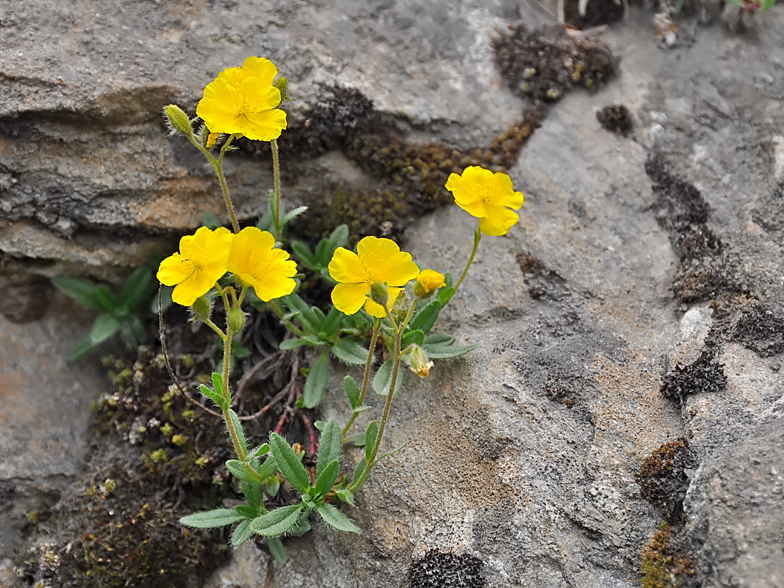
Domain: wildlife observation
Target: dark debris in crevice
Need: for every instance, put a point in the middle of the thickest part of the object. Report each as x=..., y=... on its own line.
x=615, y=118
x=704, y=376
x=446, y=570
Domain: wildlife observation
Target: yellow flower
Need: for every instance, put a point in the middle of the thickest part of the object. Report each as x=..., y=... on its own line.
x=243, y=100
x=254, y=262
x=376, y=260
x=488, y=196
x=428, y=281
x=200, y=263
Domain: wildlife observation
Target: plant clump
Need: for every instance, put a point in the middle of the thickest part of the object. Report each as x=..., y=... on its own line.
x=665, y=560
x=663, y=477
x=155, y=458
x=436, y=570
x=615, y=118
x=704, y=376
x=546, y=64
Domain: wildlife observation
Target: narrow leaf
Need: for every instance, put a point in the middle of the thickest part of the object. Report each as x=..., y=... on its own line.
x=292, y=214
x=306, y=314
x=216, y=398
x=252, y=493
x=350, y=352
x=445, y=295
x=330, y=444
x=345, y=495
x=316, y=382
x=81, y=290
x=334, y=318
x=334, y=518
x=108, y=300
x=327, y=478
x=289, y=464
x=212, y=519
x=360, y=409
x=338, y=238
x=82, y=348
x=304, y=254
x=370, y=439
x=217, y=382
x=138, y=287
x=246, y=511
x=410, y=337
x=352, y=390
x=272, y=486
x=359, y=469
x=358, y=439
x=276, y=522
x=292, y=343
x=276, y=549
x=447, y=351
x=438, y=339
x=241, y=472
x=132, y=331
x=268, y=468
x=104, y=327
x=241, y=534
x=383, y=379
x=426, y=318
x=388, y=453
x=238, y=428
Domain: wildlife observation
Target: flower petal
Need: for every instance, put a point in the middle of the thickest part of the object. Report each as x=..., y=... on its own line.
x=498, y=221
x=198, y=284
x=346, y=266
x=260, y=67
x=376, y=310
x=349, y=298
x=220, y=106
x=174, y=269
x=265, y=125
x=467, y=195
x=502, y=192
x=258, y=96
x=399, y=270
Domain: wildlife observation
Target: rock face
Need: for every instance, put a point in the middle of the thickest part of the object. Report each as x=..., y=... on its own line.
x=637, y=259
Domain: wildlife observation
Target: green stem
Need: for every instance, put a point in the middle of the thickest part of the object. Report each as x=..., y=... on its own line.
x=215, y=328
x=477, y=237
x=366, y=378
x=276, y=171
x=218, y=167
x=287, y=324
x=235, y=440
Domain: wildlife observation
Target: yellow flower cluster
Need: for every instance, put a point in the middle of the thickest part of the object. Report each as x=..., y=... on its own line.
x=488, y=196
x=244, y=101
x=206, y=256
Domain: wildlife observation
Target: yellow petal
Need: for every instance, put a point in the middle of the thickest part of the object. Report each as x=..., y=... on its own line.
x=174, y=269
x=398, y=270
x=188, y=291
x=502, y=192
x=220, y=106
x=498, y=221
x=246, y=249
x=346, y=267
x=430, y=280
x=260, y=67
x=265, y=125
x=349, y=298
x=258, y=96
x=376, y=310
x=468, y=195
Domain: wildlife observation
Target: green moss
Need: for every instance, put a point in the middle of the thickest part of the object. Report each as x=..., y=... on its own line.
x=662, y=567
x=662, y=476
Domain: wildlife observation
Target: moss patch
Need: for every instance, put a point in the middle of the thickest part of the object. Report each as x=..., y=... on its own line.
x=615, y=118
x=706, y=375
x=664, y=562
x=544, y=65
x=662, y=477
x=437, y=570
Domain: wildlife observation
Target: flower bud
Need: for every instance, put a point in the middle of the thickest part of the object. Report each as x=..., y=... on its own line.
x=427, y=282
x=400, y=306
x=379, y=293
x=202, y=308
x=178, y=119
x=283, y=85
x=420, y=363
x=236, y=319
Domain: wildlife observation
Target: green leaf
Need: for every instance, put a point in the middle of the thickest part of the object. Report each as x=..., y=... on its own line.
x=439, y=339
x=215, y=397
x=410, y=337
x=767, y=5
x=447, y=351
x=262, y=449
x=166, y=299
x=383, y=379
x=358, y=440
x=252, y=493
x=242, y=533
x=338, y=238
x=322, y=254
x=212, y=519
x=316, y=382
x=292, y=214
x=268, y=468
x=273, y=206
x=209, y=220
x=426, y=318
x=276, y=549
x=104, y=327
x=272, y=486
x=313, y=341
x=345, y=495
x=80, y=289
x=334, y=318
x=330, y=445
x=292, y=343
x=306, y=316
x=238, y=428
x=388, y=453
x=360, y=409
x=138, y=287
x=445, y=295
x=359, y=469
x=334, y=518
x=246, y=511
x=302, y=526
x=320, y=425
x=241, y=472
x=303, y=253
x=108, y=300
x=276, y=522
x=217, y=382
x=289, y=464
x=132, y=331
x=350, y=352
x=327, y=478
x=352, y=390
x=370, y=439
x=265, y=221
x=82, y=348
x=448, y=279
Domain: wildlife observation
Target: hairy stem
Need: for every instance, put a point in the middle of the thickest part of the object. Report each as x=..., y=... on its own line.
x=477, y=237
x=276, y=171
x=366, y=378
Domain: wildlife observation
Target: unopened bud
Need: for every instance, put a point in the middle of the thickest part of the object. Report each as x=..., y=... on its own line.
x=236, y=319
x=420, y=363
x=379, y=293
x=400, y=306
x=283, y=85
x=178, y=119
x=202, y=308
